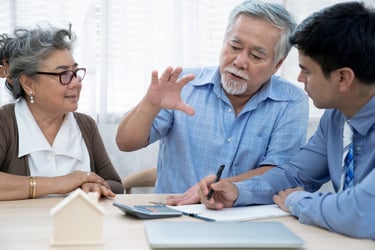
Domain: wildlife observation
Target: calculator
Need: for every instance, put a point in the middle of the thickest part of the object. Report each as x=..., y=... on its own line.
x=148, y=211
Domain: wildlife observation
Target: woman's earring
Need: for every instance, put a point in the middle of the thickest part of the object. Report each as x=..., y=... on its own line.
x=31, y=98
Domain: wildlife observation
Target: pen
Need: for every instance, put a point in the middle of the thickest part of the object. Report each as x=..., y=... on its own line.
x=218, y=175
x=158, y=203
x=197, y=216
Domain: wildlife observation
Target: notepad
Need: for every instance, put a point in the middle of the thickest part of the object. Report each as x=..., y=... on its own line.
x=243, y=213
x=167, y=234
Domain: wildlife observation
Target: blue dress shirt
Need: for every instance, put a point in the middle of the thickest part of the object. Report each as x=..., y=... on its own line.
x=351, y=211
x=269, y=130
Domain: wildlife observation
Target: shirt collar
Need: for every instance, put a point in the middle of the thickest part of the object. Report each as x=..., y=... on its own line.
x=204, y=76
x=364, y=119
x=68, y=140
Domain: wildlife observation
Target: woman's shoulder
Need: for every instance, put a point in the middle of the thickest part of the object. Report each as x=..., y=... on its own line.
x=7, y=107
x=83, y=117
x=7, y=110
x=8, y=121
x=84, y=121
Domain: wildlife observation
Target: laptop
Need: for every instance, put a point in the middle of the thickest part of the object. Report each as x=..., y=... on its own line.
x=186, y=234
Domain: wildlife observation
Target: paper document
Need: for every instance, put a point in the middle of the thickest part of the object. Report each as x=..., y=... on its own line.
x=244, y=213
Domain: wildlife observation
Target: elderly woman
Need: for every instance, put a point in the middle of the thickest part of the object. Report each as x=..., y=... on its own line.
x=45, y=147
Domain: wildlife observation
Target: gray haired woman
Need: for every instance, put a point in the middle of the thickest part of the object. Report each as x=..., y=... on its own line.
x=45, y=146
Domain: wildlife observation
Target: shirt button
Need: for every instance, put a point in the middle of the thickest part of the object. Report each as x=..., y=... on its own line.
x=229, y=139
x=230, y=110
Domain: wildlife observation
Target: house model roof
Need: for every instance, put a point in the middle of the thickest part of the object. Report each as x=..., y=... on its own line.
x=90, y=198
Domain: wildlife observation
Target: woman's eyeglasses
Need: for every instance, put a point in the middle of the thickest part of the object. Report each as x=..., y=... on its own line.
x=66, y=76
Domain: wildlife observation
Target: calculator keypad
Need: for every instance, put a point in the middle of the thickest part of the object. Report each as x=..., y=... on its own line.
x=155, y=208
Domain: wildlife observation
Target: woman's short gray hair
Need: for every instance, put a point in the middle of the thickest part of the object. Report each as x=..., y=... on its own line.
x=275, y=14
x=29, y=47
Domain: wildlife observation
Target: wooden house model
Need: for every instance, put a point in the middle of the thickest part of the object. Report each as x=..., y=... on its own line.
x=78, y=220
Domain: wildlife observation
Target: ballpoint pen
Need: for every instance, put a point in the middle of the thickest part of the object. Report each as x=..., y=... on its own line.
x=218, y=175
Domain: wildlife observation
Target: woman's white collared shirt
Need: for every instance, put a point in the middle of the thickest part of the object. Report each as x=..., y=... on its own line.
x=67, y=153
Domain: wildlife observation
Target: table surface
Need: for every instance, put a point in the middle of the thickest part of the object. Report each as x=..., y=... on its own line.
x=27, y=224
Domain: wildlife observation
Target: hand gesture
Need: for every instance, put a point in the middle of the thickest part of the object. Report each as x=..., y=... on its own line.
x=165, y=92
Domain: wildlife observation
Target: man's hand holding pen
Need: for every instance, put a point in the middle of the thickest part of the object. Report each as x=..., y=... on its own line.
x=225, y=192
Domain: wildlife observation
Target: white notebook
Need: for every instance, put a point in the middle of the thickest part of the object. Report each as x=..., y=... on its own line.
x=243, y=213
x=199, y=234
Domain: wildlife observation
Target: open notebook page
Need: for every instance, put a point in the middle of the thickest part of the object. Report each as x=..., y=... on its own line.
x=244, y=213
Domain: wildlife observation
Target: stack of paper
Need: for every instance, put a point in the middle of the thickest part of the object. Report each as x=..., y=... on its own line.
x=244, y=213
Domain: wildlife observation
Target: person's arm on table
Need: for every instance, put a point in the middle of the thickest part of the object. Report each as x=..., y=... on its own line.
x=348, y=212
x=191, y=196
x=14, y=187
x=261, y=189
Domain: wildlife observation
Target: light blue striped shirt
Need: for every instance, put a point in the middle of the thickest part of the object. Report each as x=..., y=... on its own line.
x=351, y=211
x=269, y=130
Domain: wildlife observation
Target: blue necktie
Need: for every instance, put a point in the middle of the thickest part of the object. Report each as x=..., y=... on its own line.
x=348, y=156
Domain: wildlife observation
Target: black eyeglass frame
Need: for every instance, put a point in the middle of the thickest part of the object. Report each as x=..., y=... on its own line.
x=74, y=74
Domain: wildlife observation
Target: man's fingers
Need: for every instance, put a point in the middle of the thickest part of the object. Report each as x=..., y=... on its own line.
x=175, y=74
x=166, y=75
x=154, y=77
x=185, y=108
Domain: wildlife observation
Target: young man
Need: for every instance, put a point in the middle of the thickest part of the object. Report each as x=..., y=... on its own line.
x=244, y=117
x=337, y=60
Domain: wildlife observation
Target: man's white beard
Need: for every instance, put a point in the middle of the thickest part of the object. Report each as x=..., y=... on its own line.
x=233, y=87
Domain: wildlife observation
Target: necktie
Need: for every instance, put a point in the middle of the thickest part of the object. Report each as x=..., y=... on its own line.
x=348, y=155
